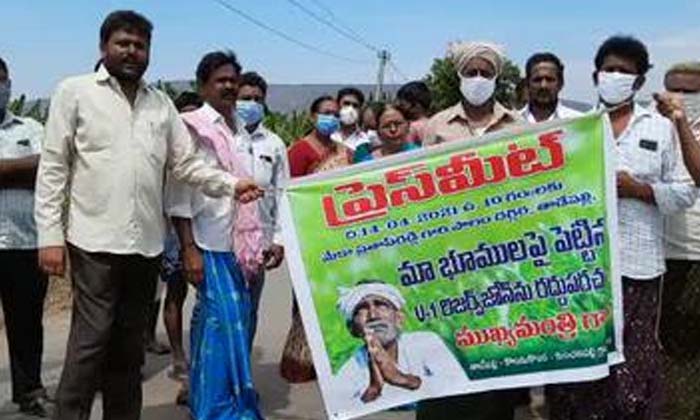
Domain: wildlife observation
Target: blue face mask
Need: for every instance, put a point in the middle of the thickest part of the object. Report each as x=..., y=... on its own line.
x=327, y=124
x=250, y=111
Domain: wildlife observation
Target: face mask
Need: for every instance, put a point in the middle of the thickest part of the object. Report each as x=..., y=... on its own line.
x=477, y=90
x=327, y=124
x=616, y=88
x=250, y=111
x=348, y=115
x=5, y=93
x=691, y=102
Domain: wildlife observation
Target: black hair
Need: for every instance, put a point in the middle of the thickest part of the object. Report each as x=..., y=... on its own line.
x=252, y=78
x=351, y=91
x=626, y=47
x=384, y=107
x=3, y=66
x=544, y=57
x=126, y=20
x=316, y=104
x=187, y=98
x=213, y=61
x=416, y=92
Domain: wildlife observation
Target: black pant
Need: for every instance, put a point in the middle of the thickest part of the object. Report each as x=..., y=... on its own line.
x=22, y=290
x=111, y=297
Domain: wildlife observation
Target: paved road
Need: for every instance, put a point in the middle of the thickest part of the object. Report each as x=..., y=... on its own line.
x=279, y=399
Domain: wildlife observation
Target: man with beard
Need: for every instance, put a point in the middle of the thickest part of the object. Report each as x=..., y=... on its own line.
x=109, y=138
x=544, y=75
x=397, y=366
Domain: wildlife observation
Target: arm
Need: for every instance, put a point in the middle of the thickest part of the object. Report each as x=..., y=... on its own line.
x=675, y=191
x=192, y=262
x=671, y=106
x=19, y=173
x=185, y=165
x=52, y=179
x=178, y=205
x=275, y=254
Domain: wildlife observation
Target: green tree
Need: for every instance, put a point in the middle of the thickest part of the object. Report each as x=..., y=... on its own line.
x=443, y=82
x=290, y=127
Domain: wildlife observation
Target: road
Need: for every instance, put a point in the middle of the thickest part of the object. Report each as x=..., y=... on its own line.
x=279, y=399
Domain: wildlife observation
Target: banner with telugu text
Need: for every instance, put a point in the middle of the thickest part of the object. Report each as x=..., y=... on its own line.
x=469, y=266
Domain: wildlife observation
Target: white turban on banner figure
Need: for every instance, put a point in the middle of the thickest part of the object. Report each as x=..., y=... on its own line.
x=392, y=364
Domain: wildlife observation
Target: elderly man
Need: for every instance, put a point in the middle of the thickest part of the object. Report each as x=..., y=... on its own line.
x=479, y=65
x=544, y=75
x=391, y=364
x=680, y=313
x=109, y=138
x=22, y=285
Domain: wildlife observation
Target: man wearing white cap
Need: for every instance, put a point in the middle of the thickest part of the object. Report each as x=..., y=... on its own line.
x=393, y=365
x=479, y=65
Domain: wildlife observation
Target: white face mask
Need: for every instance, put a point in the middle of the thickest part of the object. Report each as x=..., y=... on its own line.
x=615, y=88
x=477, y=90
x=348, y=115
x=691, y=102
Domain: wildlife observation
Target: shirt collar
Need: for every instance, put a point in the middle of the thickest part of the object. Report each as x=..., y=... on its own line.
x=216, y=118
x=103, y=76
x=527, y=114
x=500, y=112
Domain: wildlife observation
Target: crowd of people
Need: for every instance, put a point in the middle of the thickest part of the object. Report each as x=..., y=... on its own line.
x=129, y=187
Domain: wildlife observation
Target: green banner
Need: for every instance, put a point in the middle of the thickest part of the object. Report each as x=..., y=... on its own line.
x=474, y=265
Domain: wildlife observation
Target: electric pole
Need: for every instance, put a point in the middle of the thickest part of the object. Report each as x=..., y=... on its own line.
x=384, y=58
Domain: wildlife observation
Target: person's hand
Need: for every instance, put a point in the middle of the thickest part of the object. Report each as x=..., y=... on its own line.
x=274, y=256
x=387, y=365
x=193, y=264
x=247, y=190
x=376, y=381
x=627, y=186
x=52, y=260
x=670, y=105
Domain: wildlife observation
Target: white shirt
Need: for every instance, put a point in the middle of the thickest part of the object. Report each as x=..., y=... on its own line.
x=422, y=354
x=212, y=217
x=560, y=112
x=106, y=159
x=19, y=138
x=265, y=158
x=683, y=229
x=648, y=149
x=353, y=141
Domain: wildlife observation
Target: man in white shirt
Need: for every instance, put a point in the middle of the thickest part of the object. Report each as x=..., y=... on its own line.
x=22, y=285
x=680, y=315
x=265, y=158
x=544, y=75
x=393, y=365
x=109, y=138
x=350, y=100
x=651, y=183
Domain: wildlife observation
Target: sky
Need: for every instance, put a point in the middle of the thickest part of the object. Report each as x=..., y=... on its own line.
x=45, y=41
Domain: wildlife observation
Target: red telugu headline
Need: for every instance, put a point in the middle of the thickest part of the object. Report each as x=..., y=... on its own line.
x=465, y=171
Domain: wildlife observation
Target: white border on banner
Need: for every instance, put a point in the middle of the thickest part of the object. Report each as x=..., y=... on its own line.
x=307, y=309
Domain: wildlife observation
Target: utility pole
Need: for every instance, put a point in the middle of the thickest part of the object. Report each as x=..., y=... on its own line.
x=384, y=58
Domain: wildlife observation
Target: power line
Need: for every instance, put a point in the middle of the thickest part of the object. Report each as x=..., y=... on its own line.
x=333, y=26
x=283, y=35
x=335, y=17
x=398, y=71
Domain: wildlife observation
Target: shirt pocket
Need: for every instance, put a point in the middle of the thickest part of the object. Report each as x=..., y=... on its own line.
x=153, y=137
x=648, y=160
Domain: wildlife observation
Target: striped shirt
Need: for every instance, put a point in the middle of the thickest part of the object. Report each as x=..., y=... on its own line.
x=648, y=150
x=19, y=138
